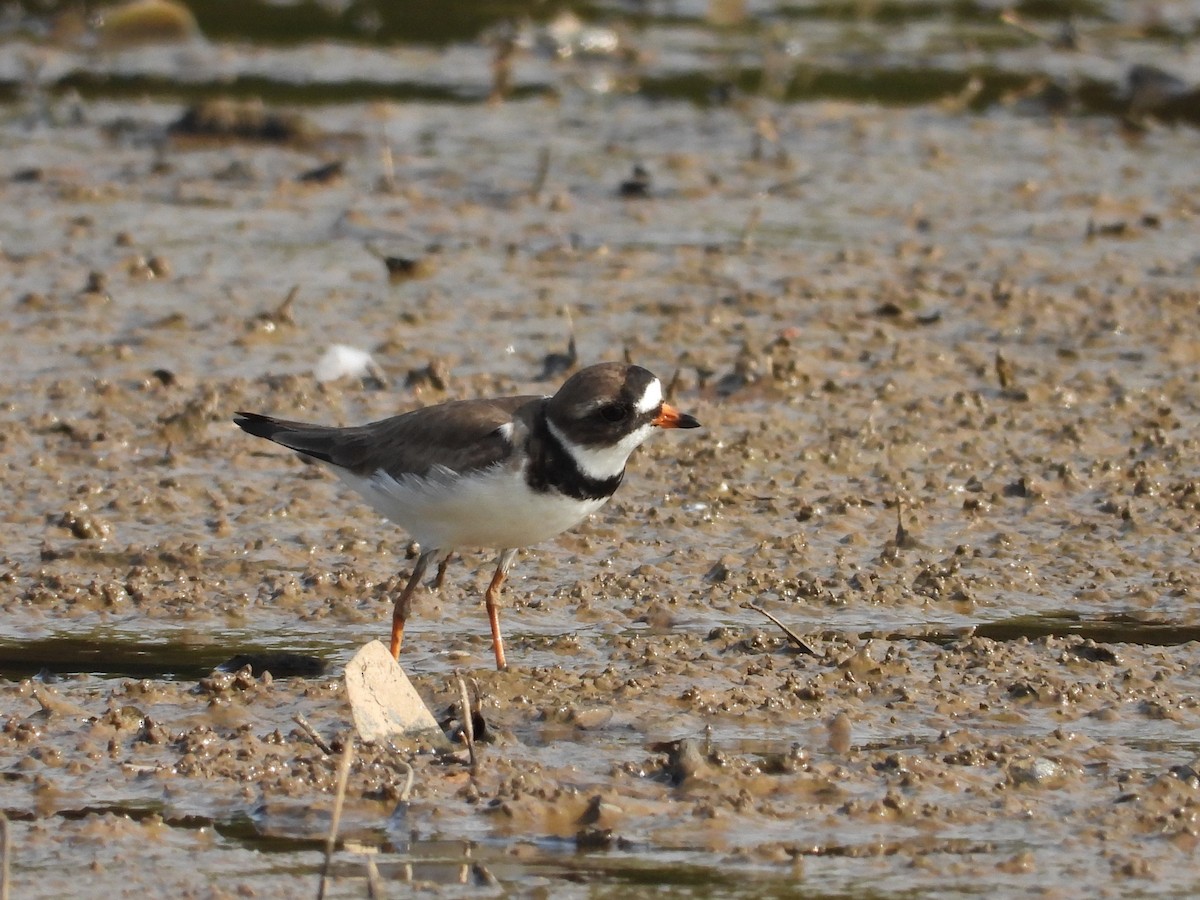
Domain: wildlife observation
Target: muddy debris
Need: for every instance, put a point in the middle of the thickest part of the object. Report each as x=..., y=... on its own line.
x=280, y=664
x=325, y=173
x=226, y=120
x=637, y=186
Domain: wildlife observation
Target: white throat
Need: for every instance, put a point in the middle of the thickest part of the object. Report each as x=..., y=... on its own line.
x=602, y=463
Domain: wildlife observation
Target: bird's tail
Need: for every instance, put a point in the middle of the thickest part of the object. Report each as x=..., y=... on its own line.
x=310, y=440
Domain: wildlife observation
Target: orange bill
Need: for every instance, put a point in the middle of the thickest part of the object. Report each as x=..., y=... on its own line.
x=670, y=417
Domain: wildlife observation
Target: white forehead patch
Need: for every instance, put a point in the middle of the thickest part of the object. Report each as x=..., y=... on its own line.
x=651, y=399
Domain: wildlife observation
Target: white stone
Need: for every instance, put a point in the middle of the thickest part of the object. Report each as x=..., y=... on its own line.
x=382, y=699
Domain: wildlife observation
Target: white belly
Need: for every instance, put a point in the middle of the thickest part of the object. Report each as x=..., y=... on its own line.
x=494, y=508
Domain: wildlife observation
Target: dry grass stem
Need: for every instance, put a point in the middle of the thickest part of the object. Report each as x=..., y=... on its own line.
x=338, y=800
x=468, y=723
x=543, y=170
x=313, y=734
x=409, y=776
x=5, y=843
x=375, y=888
x=387, y=165
x=791, y=635
x=752, y=221
x=283, y=312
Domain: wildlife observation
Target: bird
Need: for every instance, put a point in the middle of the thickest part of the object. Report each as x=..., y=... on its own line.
x=502, y=473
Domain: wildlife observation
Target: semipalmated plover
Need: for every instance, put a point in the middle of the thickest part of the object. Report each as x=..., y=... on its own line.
x=504, y=473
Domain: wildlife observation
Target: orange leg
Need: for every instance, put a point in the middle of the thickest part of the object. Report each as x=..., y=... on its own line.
x=403, y=604
x=490, y=598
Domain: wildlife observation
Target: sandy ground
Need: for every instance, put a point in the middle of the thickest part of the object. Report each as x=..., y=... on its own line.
x=947, y=370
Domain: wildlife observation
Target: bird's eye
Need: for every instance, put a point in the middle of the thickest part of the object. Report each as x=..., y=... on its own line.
x=613, y=412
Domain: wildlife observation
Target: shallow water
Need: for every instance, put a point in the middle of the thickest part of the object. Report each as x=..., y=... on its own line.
x=940, y=334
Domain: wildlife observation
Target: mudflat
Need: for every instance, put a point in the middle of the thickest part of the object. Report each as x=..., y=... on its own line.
x=947, y=369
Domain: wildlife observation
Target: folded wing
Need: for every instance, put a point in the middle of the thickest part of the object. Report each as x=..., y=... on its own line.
x=459, y=436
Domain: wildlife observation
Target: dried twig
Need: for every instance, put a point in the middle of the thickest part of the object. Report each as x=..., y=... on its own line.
x=5, y=843
x=543, y=170
x=904, y=538
x=746, y=238
x=313, y=734
x=409, y=773
x=338, y=801
x=901, y=532
x=554, y=364
x=467, y=720
x=409, y=776
x=673, y=384
x=502, y=64
x=283, y=312
x=791, y=635
x=1009, y=17
x=375, y=888
x=387, y=165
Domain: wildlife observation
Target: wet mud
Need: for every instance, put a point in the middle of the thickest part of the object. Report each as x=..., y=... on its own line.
x=945, y=359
